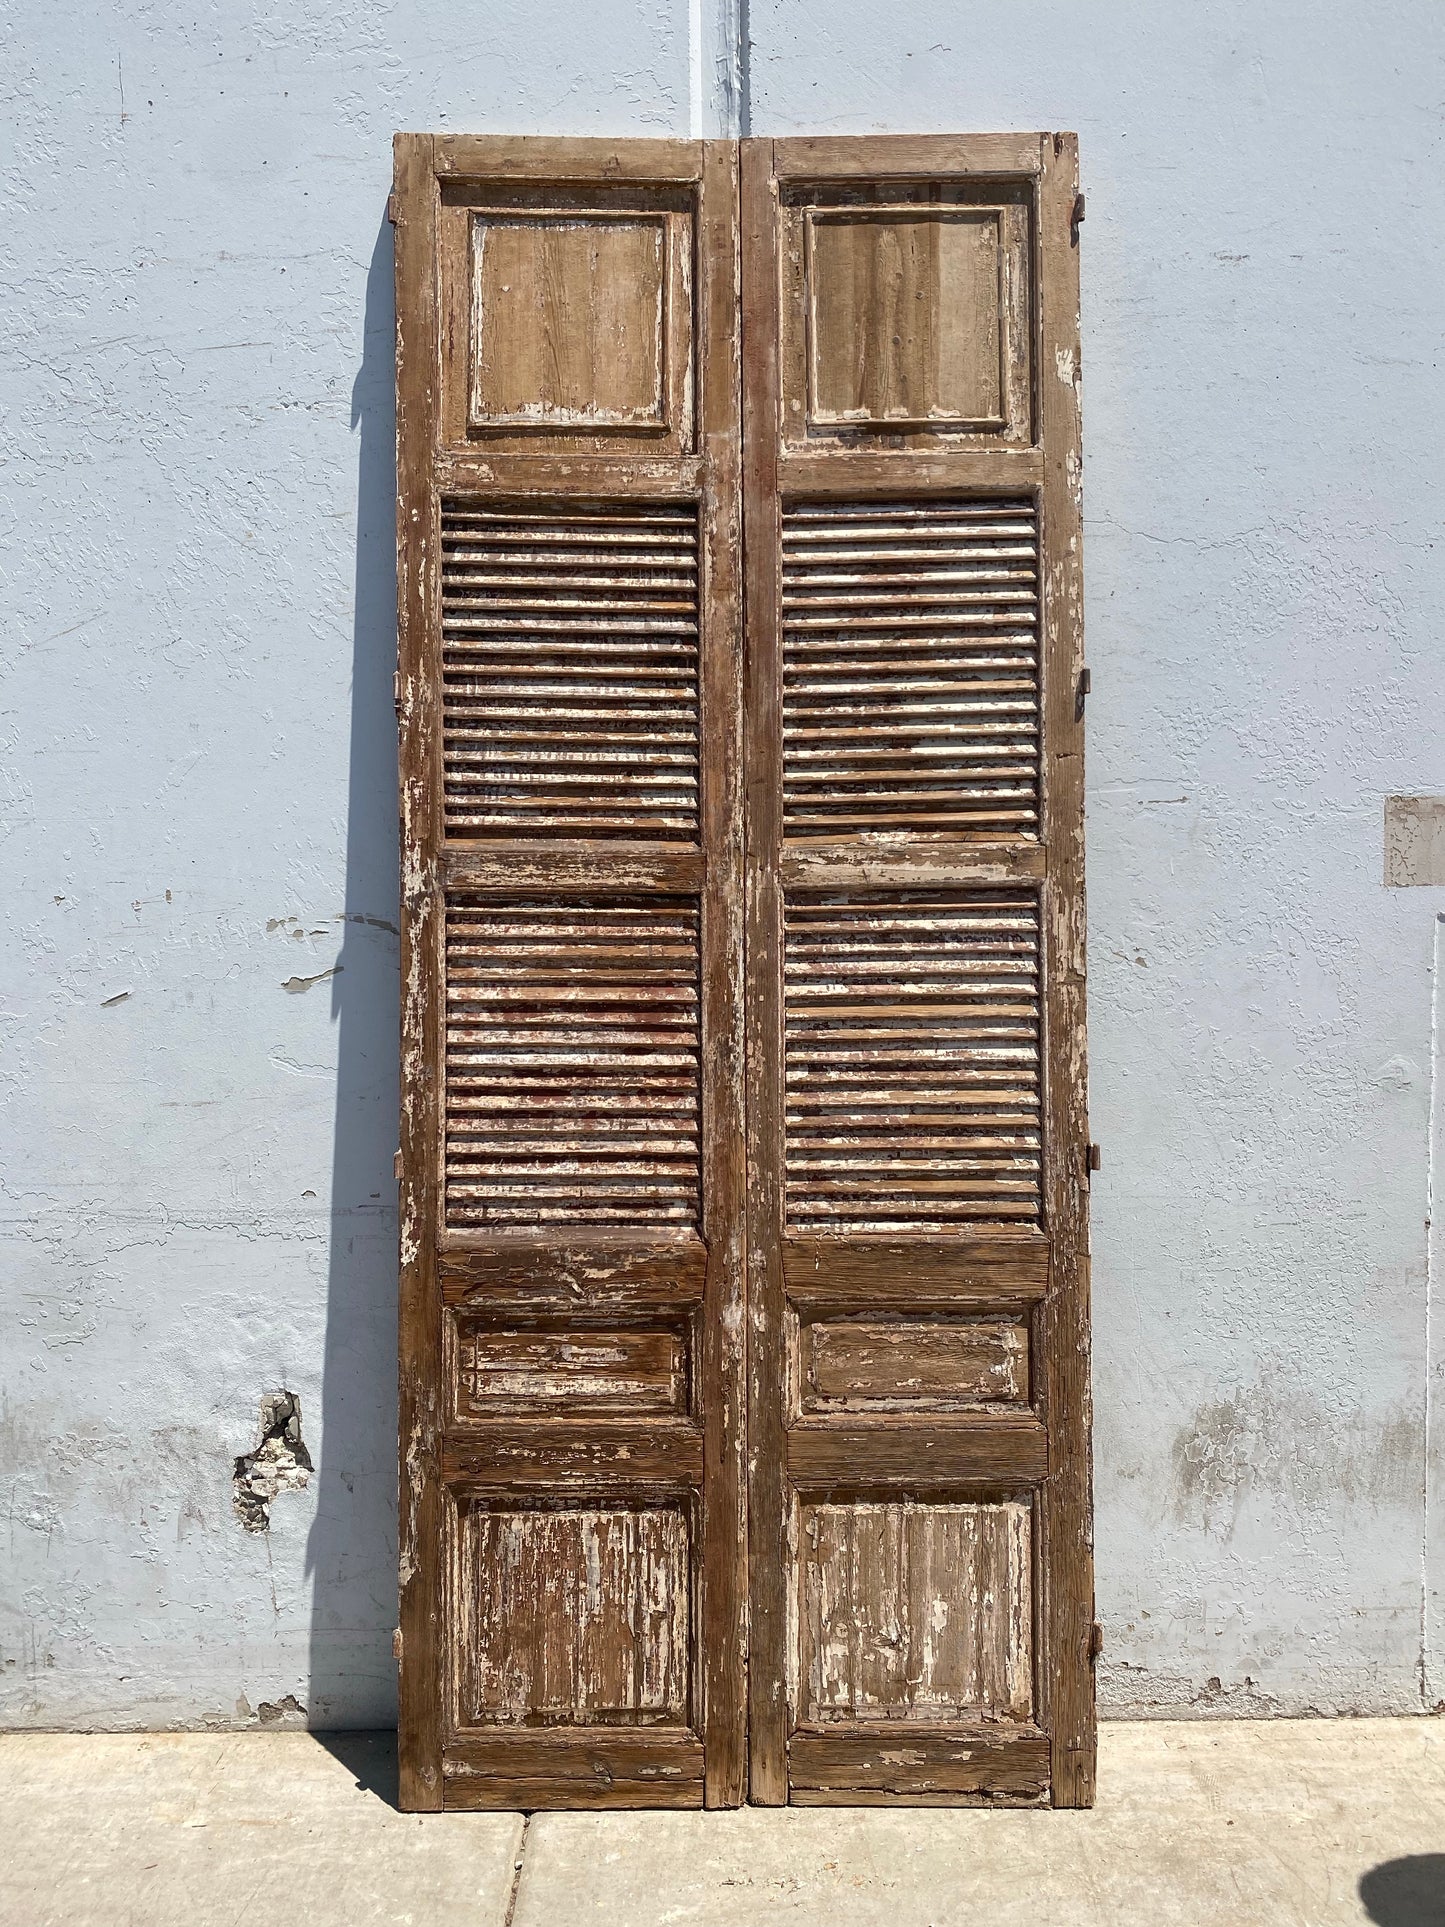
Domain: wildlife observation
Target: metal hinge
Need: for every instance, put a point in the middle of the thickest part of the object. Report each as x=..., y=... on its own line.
x=1096, y=1640
x=1096, y=1157
x=391, y=209
x=1085, y=688
x=396, y=690
x=396, y=1167
x=1074, y=220
x=396, y=1641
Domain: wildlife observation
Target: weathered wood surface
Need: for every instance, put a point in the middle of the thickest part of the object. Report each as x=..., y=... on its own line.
x=1066, y=1558
x=574, y=1285
x=915, y=963
x=572, y=1617
x=911, y=1362
x=570, y=1372
x=419, y=746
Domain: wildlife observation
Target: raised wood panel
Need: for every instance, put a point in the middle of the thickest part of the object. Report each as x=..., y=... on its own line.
x=572, y=1065
x=911, y=1061
x=572, y=1616
x=570, y=669
x=911, y=1364
x=913, y=1612
x=907, y=314
x=934, y=277
x=911, y=668
x=568, y=1372
x=567, y=317
x=569, y=320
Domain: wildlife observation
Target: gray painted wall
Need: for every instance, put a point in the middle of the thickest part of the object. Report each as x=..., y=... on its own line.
x=200, y=983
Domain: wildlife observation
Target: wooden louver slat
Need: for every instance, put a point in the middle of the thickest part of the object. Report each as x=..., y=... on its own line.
x=910, y=667
x=572, y=1064
x=570, y=668
x=911, y=1062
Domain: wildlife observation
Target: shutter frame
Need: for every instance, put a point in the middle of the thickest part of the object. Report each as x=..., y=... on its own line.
x=665, y=1432
x=799, y=1457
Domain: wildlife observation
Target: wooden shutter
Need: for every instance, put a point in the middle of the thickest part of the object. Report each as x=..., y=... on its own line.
x=919, y=1521
x=569, y=697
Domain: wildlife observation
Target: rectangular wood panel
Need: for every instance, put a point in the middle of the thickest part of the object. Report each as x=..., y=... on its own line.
x=910, y=1362
x=914, y=1612
x=572, y=1617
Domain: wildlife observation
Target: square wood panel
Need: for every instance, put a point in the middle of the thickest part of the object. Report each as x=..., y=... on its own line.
x=573, y=1615
x=906, y=321
x=567, y=320
x=913, y=1612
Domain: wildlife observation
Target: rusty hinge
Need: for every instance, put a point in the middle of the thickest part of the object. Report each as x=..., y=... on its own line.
x=1074, y=220
x=396, y=1641
x=396, y=690
x=1096, y=1640
x=1086, y=684
x=1096, y=1157
x=391, y=209
x=396, y=1167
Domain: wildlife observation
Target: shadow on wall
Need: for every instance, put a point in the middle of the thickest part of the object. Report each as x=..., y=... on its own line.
x=351, y=1552
x=1406, y=1893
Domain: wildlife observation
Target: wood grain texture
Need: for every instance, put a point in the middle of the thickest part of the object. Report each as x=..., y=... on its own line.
x=600, y=868
x=546, y=1274
x=911, y=1363
x=616, y=1371
x=972, y=1450
x=538, y=1455
x=419, y=744
x=913, y=157
x=839, y=1274
x=767, y=1502
x=723, y=1341
x=1066, y=1505
x=572, y=1616
x=913, y=1613
x=922, y=1765
x=552, y=294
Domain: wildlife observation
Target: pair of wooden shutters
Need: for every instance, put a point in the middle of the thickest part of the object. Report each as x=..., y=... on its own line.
x=744, y=1384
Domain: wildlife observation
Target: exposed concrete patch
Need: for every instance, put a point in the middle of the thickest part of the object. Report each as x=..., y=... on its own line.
x=284, y=1712
x=280, y=1463
x=1414, y=841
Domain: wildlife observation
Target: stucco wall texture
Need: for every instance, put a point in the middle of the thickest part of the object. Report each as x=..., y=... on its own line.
x=199, y=1009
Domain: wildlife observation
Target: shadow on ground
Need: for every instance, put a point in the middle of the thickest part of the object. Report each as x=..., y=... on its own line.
x=1406, y=1893
x=370, y=1758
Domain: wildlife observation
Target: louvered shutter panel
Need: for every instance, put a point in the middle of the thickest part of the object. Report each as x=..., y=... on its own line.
x=919, y=1516
x=569, y=701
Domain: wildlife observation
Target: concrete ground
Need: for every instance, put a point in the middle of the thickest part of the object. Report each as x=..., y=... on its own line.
x=1285, y=1823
